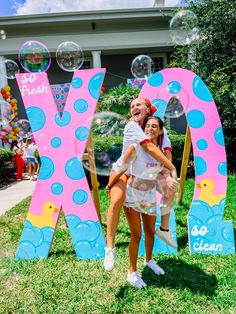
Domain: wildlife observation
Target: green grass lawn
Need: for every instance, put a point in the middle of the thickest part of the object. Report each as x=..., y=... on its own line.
x=62, y=284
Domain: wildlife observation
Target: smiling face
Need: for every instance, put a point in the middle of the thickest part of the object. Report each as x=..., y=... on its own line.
x=153, y=130
x=139, y=110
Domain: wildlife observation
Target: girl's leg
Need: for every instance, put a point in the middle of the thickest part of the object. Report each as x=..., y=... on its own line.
x=168, y=194
x=134, y=221
x=117, y=197
x=149, y=231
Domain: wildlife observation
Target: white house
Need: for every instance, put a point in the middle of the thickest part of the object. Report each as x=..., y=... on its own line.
x=108, y=38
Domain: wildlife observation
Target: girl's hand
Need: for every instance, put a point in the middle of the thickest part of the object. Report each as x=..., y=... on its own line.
x=171, y=183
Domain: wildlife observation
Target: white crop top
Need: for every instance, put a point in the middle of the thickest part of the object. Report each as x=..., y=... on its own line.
x=144, y=166
x=133, y=134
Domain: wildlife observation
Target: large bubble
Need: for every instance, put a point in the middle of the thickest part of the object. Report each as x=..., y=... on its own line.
x=5, y=113
x=107, y=126
x=34, y=56
x=25, y=128
x=3, y=34
x=69, y=56
x=10, y=70
x=142, y=192
x=142, y=67
x=184, y=28
x=176, y=99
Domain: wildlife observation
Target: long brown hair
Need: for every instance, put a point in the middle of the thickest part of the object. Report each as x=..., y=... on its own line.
x=161, y=125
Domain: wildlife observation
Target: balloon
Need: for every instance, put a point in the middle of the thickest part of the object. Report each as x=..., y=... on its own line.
x=142, y=67
x=69, y=56
x=34, y=56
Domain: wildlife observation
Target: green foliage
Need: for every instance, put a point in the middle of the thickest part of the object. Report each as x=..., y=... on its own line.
x=6, y=165
x=118, y=100
x=5, y=155
x=214, y=58
x=193, y=283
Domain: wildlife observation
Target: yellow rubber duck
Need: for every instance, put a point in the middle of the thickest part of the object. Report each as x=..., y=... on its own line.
x=45, y=219
x=207, y=195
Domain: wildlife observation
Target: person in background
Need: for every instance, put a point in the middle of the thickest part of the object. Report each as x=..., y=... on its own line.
x=18, y=160
x=29, y=155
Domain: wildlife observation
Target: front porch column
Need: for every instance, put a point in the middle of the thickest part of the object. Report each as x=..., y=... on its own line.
x=3, y=72
x=96, y=59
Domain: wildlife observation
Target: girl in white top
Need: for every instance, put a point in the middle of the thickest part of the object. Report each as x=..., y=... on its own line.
x=140, y=109
x=141, y=198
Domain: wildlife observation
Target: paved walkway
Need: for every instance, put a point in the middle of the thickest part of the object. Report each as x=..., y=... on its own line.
x=15, y=193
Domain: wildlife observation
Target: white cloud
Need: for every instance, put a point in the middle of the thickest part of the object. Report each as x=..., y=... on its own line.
x=47, y=6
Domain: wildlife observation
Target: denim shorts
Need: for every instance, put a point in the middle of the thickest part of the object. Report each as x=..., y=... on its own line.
x=30, y=160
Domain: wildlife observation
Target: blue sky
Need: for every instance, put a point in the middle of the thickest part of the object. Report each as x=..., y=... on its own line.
x=22, y=7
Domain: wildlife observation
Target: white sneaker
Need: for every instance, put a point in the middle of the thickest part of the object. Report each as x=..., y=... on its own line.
x=109, y=260
x=154, y=267
x=135, y=280
x=166, y=236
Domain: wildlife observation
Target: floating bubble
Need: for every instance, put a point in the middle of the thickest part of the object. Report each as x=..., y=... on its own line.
x=184, y=28
x=110, y=126
x=142, y=67
x=69, y=56
x=25, y=129
x=3, y=34
x=5, y=113
x=142, y=192
x=11, y=69
x=176, y=99
x=34, y=56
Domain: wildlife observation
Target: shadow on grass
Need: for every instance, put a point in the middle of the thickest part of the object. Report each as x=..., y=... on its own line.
x=182, y=242
x=181, y=275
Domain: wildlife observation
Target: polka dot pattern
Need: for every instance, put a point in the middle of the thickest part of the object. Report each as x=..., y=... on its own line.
x=80, y=197
x=57, y=188
x=62, y=181
x=81, y=105
x=156, y=79
x=160, y=105
x=174, y=87
x=46, y=169
x=196, y=119
x=94, y=85
x=74, y=169
x=77, y=82
x=222, y=168
x=63, y=120
x=82, y=133
x=200, y=165
x=200, y=90
x=36, y=117
x=202, y=144
x=56, y=142
x=219, y=137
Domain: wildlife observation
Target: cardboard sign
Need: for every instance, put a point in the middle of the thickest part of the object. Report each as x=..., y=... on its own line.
x=62, y=183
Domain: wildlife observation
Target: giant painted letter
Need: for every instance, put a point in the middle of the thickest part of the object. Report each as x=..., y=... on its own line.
x=207, y=232
x=61, y=140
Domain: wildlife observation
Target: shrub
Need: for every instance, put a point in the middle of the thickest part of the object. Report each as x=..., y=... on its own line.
x=6, y=164
x=118, y=100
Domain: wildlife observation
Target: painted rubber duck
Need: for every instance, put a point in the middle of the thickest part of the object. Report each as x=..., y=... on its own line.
x=207, y=195
x=45, y=219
